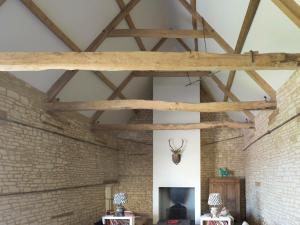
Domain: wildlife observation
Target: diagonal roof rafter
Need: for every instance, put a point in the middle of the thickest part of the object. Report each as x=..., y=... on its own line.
x=131, y=25
x=34, y=9
x=68, y=75
x=124, y=83
x=194, y=24
x=227, y=48
x=290, y=8
x=249, y=17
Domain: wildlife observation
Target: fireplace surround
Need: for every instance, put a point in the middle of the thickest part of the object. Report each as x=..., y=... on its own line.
x=177, y=203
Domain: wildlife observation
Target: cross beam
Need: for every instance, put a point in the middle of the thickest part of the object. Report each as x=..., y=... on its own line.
x=190, y=126
x=158, y=33
x=67, y=76
x=124, y=83
x=160, y=106
x=145, y=61
x=227, y=48
x=249, y=17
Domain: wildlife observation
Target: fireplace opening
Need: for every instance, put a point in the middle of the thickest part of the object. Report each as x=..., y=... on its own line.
x=177, y=204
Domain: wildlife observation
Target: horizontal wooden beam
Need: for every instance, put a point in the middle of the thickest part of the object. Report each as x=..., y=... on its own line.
x=145, y=61
x=131, y=25
x=171, y=74
x=190, y=126
x=232, y=96
x=159, y=33
x=159, y=105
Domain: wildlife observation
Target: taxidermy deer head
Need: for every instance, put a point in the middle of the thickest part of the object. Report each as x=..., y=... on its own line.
x=176, y=151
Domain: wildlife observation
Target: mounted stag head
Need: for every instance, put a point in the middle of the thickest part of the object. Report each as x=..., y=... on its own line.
x=176, y=152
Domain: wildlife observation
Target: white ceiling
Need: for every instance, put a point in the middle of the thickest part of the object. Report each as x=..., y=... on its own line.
x=83, y=20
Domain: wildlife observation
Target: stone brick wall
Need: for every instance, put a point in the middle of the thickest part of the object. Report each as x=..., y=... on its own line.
x=272, y=163
x=219, y=148
x=52, y=168
x=136, y=167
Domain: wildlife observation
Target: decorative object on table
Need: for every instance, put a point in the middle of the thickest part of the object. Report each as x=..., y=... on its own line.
x=224, y=212
x=245, y=223
x=119, y=200
x=176, y=151
x=214, y=201
x=232, y=190
x=223, y=172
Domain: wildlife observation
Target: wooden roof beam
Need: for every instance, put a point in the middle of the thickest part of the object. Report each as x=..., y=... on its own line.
x=194, y=23
x=221, y=41
x=124, y=83
x=289, y=8
x=146, y=61
x=171, y=74
x=159, y=105
x=158, y=33
x=67, y=76
x=131, y=25
x=189, y=126
x=183, y=44
x=249, y=17
x=233, y=97
x=35, y=10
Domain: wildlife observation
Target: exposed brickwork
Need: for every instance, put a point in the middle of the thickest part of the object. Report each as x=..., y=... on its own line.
x=35, y=158
x=219, y=148
x=136, y=166
x=273, y=163
x=65, y=157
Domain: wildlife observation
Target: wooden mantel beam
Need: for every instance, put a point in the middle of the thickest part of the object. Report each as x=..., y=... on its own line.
x=145, y=61
x=190, y=126
x=158, y=33
x=159, y=105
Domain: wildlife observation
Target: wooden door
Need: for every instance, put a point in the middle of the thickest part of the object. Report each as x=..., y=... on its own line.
x=232, y=199
x=229, y=188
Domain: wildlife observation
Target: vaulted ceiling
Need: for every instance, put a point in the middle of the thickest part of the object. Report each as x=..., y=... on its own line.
x=81, y=21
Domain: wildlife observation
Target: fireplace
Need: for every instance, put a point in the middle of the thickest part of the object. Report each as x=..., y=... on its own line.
x=177, y=203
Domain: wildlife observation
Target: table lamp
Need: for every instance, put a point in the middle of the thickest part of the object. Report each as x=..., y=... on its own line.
x=214, y=201
x=119, y=200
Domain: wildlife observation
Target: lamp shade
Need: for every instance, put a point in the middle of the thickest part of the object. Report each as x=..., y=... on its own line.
x=120, y=199
x=214, y=199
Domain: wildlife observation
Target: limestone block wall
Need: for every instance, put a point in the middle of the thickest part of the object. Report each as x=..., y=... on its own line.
x=52, y=168
x=135, y=166
x=219, y=148
x=272, y=164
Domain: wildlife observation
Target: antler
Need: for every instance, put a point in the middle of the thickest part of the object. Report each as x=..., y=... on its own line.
x=172, y=149
x=182, y=143
x=176, y=150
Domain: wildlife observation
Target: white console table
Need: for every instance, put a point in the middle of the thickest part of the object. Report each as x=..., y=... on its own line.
x=206, y=218
x=111, y=217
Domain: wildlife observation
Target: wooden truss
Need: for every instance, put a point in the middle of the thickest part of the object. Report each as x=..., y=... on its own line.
x=190, y=126
x=159, y=105
x=146, y=61
x=156, y=64
x=289, y=8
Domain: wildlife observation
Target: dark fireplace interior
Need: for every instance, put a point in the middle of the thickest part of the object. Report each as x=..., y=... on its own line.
x=177, y=204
